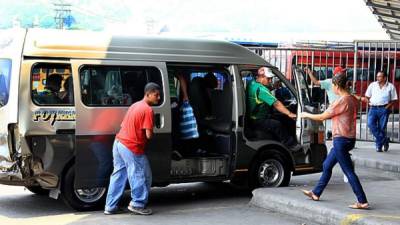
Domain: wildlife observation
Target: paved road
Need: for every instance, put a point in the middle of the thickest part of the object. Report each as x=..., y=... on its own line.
x=195, y=203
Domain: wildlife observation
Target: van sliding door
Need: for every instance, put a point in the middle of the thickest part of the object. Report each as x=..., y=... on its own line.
x=106, y=89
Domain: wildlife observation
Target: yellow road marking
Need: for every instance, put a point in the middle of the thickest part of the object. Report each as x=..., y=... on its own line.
x=44, y=220
x=350, y=218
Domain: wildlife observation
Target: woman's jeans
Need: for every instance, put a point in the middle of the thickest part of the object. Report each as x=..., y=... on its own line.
x=128, y=167
x=340, y=153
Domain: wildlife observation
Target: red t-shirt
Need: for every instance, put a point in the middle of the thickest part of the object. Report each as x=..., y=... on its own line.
x=133, y=134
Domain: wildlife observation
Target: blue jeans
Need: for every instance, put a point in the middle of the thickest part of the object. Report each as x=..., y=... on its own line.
x=340, y=153
x=128, y=167
x=377, y=121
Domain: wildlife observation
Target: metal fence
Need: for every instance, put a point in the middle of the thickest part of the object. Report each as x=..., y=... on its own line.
x=362, y=59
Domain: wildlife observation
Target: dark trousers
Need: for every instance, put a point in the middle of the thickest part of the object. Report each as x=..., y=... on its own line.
x=340, y=154
x=274, y=127
x=377, y=121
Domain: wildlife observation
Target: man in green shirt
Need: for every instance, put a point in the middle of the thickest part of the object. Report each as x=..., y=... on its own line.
x=259, y=103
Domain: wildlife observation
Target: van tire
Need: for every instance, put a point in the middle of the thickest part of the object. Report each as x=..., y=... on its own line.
x=73, y=199
x=38, y=190
x=267, y=167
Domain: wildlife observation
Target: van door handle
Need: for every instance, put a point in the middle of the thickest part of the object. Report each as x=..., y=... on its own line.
x=65, y=131
x=157, y=118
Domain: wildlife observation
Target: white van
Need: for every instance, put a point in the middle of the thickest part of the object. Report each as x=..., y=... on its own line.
x=63, y=95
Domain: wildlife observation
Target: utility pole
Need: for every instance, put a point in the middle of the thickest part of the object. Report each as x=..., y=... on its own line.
x=62, y=11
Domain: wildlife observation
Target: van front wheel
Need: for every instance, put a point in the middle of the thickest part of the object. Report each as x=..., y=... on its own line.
x=269, y=172
x=81, y=199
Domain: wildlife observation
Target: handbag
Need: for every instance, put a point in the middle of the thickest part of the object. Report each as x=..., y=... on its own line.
x=187, y=123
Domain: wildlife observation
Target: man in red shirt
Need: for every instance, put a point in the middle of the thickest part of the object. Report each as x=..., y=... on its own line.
x=130, y=162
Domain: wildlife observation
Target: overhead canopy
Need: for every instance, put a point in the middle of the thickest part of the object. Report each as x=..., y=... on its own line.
x=388, y=14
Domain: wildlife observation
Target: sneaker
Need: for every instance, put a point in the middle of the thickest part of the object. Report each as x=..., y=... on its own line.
x=386, y=146
x=139, y=210
x=378, y=150
x=176, y=156
x=113, y=212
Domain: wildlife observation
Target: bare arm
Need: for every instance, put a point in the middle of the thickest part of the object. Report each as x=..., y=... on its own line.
x=183, y=83
x=318, y=117
x=312, y=77
x=149, y=133
x=281, y=108
x=361, y=99
x=390, y=104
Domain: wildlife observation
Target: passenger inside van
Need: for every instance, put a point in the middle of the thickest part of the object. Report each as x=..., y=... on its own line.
x=178, y=94
x=281, y=93
x=67, y=95
x=50, y=93
x=200, y=96
x=211, y=100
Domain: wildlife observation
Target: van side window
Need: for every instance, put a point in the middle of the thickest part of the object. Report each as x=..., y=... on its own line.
x=116, y=85
x=5, y=76
x=51, y=85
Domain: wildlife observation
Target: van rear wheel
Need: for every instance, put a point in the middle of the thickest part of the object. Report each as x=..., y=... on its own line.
x=81, y=199
x=269, y=171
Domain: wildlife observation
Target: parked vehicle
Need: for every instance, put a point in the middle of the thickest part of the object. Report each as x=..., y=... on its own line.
x=64, y=95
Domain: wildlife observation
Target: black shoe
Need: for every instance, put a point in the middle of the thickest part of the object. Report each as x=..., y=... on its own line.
x=140, y=211
x=386, y=146
x=117, y=211
x=176, y=156
x=378, y=150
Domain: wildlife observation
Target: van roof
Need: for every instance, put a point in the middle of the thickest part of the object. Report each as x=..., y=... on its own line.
x=99, y=45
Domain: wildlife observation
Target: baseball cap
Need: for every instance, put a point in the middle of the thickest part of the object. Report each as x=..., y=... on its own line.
x=338, y=70
x=268, y=73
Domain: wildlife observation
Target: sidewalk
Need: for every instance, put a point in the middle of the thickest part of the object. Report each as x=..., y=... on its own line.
x=365, y=155
x=332, y=208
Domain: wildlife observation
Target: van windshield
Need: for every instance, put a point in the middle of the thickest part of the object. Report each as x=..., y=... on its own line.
x=5, y=74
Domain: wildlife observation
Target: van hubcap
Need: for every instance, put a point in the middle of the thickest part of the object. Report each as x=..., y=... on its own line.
x=270, y=173
x=90, y=195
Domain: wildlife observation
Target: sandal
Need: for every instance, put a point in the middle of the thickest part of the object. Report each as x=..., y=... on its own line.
x=311, y=195
x=359, y=206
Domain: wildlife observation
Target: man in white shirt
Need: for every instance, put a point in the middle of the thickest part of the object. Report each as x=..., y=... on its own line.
x=381, y=96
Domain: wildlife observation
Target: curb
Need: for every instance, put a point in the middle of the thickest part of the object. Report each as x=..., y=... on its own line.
x=380, y=164
x=311, y=211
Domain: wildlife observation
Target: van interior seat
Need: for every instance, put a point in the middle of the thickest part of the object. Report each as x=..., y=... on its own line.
x=219, y=104
x=254, y=133
x=216, y=125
